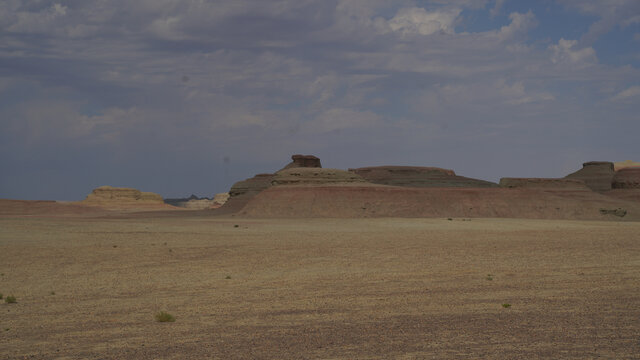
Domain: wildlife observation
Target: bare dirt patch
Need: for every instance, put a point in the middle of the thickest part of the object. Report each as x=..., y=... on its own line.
x=318, y=288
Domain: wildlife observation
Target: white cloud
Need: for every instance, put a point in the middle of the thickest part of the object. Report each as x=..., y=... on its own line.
x=611, y=13
x=520, y=25
x=419, y=21
x=568, y=52
x=37, y=22
x=631, y=94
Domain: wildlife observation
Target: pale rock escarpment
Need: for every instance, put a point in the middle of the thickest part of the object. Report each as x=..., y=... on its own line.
x=315, y=176
x=619, y=165
x=416, y=176
x=220, y=198
x=122, y=195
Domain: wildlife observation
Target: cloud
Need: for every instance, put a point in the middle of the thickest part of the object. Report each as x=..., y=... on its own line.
x=245, y=77
x=420, y=21
x=495, y=10
x=611, y=13
x=338, y=119
x=567, y=52
x=631, y=94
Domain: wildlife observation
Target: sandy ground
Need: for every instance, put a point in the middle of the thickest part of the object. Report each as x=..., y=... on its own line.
x=329, y=289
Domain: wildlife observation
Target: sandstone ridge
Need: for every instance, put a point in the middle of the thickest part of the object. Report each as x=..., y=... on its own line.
x=417, y=176
x=315, y=176
x=116, y=194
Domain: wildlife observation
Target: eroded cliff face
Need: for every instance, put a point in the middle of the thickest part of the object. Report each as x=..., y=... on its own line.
x=115, y=194
x=627, y=178
x=597, y=175
x=303, y=161
x=619, y=165
x=315, y=176
x=416, y=176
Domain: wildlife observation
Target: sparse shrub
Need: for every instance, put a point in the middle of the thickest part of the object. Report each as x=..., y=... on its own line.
x=164, y=316
x=0, y=296
x=236, y=225
x=506, y=305
x=489, y=277
x=52, y=293
x=228, y=277
x=450, y=219
x=10, y=300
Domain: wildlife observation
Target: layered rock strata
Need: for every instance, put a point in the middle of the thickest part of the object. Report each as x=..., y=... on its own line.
x=123, y=195
x=619, y=165
x=415, y=176
x=627, y=178
x=315, y=176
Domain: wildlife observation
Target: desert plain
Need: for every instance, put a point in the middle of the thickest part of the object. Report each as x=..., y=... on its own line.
x=89, y=285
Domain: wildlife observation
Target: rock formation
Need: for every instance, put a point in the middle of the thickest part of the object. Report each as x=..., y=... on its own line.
x=625, y=164
x=242, y=191
x=369, y=200
x=220, y=198
x=302, y=161
x=315, y=176
x=543, y=183
x=414, y=176
x=251, y=186
x=627, y=178
x=122, y=195
x=597, y=175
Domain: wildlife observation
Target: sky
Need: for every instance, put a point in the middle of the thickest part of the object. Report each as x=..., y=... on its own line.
x=184, y=97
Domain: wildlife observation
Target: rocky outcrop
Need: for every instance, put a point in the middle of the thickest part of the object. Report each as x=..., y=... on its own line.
x=122, y=195
x=627, y=178
x=220, y=198
x=543, y=183
x=243, y=191
x=194, y=202
x=303, y=161
x=315, y=176
x=414, y=176
x=251, y=186
x=597, y=175
x=619, y=165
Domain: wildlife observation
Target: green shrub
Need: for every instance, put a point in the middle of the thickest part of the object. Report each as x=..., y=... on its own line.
x=164, y=316
x=10, y=300
x=506, y=305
